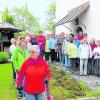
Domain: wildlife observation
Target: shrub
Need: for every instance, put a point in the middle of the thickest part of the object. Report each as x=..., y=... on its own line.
x=82, y=85
x=3, y=56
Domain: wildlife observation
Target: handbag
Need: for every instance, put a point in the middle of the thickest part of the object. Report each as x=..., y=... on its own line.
x=46, y=94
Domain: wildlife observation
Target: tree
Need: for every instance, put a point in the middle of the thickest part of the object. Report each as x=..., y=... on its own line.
x=25, y=20
x=51, y=17
x=7, y=17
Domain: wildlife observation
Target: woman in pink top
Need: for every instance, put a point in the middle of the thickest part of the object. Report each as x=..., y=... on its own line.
x=80, y=35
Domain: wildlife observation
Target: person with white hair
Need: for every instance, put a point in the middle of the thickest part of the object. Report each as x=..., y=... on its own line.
x=35, y=71
x=84, y=53
x=13, y=46
x=27, y=39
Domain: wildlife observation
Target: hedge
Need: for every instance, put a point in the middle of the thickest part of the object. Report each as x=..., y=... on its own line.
x=3, y=56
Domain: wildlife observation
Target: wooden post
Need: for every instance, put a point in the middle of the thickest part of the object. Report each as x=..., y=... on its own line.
x=1, y=42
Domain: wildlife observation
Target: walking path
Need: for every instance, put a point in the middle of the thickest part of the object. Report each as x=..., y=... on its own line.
x=92, y=98
x=92, y=81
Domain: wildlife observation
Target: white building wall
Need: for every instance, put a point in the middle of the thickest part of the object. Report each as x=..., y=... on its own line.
x=91, y=19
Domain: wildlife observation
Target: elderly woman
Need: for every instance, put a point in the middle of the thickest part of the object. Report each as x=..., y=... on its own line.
x=20, y=55
x=13, y=46
x=27, y=39
x=34, y=71
x=84, y=53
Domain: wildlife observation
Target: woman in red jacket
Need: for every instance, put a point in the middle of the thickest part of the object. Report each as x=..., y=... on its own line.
x=35, y=71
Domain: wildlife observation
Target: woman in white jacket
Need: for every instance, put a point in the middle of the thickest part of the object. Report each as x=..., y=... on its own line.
x=84, y=53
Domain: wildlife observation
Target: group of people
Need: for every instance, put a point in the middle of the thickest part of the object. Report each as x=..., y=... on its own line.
x=32, y=72
x=77, y=52
x=72, y=51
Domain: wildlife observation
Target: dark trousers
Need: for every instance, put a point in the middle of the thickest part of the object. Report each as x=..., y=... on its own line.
x=90, y=67
x=47, y=55
x=52, y=55
x=97, y=67
x=57, y=56
x=77, y=63
x=61, y=57
x=42, y=53
x=20, y=90
x=73, y=64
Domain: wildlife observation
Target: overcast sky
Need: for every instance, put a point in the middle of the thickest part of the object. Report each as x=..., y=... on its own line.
x=37, y=7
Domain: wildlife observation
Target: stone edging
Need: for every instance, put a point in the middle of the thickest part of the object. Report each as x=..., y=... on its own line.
x=90, y=98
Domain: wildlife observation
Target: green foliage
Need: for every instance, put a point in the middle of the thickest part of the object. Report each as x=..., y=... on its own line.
x=53, y=81
x=52, y=10
x=64, y=86
x=51, y=18
x=3, y=56
x=93, y=93
x=58, y=91
x=22, y=34
x=7, y=17
x=16, y=35
x=25, y=20
x=82, y=85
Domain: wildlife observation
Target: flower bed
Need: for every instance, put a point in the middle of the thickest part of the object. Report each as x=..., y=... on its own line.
x=63, y=86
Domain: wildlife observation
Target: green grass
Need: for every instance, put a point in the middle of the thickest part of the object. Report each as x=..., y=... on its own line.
x=7, y=89
x=95, y=93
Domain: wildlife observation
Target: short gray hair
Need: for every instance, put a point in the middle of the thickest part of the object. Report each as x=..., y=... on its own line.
x=12, y=39
x=35, y=48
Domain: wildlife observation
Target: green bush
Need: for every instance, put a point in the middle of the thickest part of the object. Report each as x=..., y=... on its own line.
x=3, y=56
x=82, y=85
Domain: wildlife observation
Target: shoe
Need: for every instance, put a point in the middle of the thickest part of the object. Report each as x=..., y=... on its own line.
x=20, y=97
x=81, y=74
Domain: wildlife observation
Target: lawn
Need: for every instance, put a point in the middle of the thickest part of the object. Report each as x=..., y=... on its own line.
x=7, y=89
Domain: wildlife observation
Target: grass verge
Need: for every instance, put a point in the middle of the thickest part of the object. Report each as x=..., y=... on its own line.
x=7, y=89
